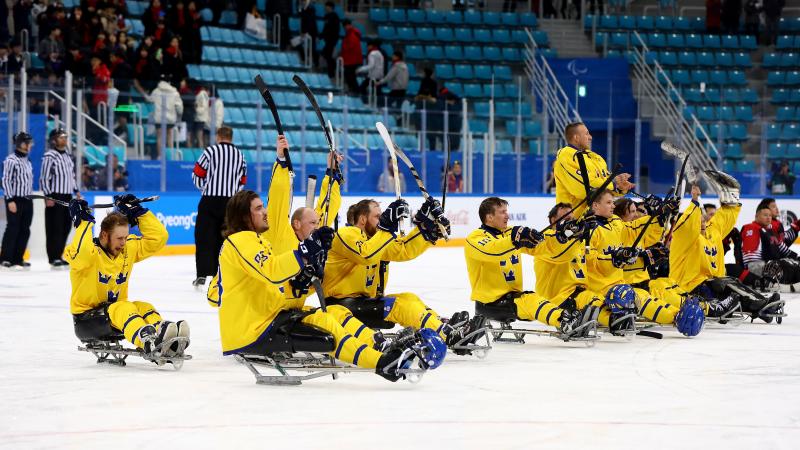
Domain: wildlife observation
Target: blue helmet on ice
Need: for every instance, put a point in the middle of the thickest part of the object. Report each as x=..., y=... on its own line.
x=621, y=298
x=433, y=348
x=690, y=319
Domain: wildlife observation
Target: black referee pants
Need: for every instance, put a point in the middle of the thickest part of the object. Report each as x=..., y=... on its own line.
x=56, y=227
x=208, y=234
x=18, y=231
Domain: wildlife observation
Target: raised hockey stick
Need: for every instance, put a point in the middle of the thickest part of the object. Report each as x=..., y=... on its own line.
x=387, y=140
x=97, y=205
x=264, y=90
x=591, y=199
x=310, y=189
x=420, y=184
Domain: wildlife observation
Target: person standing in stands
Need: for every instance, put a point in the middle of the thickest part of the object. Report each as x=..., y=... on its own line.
x=17, y=185
x=397, y=80
x=772, y=15
x=351, y=55
x=219, y=174
x=373, y=68
x=57, y=181
x=330, y=34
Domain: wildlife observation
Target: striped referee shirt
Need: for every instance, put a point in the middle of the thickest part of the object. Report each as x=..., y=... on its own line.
x=221, y=170
x=58, y=173
x=17, y=176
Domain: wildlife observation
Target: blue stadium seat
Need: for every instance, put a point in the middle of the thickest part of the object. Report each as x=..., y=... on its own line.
x=711, y=41
x=425, y=34
x=749, y=95
x=645, y=23
x=675, y=41
x=694, y=41
x=406, y=34
x=454, y=18
x=463, y=71
x=725, y=113
x=719, y=77
x=776, y=150
x=482, y=36
x=472, y=53
x=528, y=20
x=609, y=22
x=436, y=17
x=682, y=24
x=463, y=35
x=540, y=37
x=687, y=59
x=737, y=77
x=681, y=76
x=712, y=95
x=512, y=54
x=444, y=34
x=657, y=40
x=650, y=57
x=737, y=131
x=688, y=111
x=693, y=95
x=481, y=109
x=618, y=40
x=743, y=60
x=793, y=152
x=698, y=23
x=414, y=52
x=724, y=59
x=491, y=19
x=775, y=78
x=508, y=19
x=600, y=38
x=794, y=96
x=473, y=17
x=434, y=52
x=378, y=15
x=789, y=60
x=748, y=42
x=746, y=166
x=415, y=16
x=705, y=59
x=793, y=78
x=730, y=42
x=472, y=90
x=397, y=15
x=790, y=132
x=501, y=36
x=519, y=37
x=731, y=95
x=482, y=72
x=501, y=73
x=771, y=60
x=734, y=150
x=453, y=52
x=706, y=113
x=512, y=90
x=668, y=58
x=773, y=131
x=664, y=23
x=444, y=71
x=786, y=113
x=785, y=42
x=386, y=32
x=505, y=109
x=699, y=76
x=789, y=24
x=492, y=54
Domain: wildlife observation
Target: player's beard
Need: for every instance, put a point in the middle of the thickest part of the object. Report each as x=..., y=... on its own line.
x=370, y=229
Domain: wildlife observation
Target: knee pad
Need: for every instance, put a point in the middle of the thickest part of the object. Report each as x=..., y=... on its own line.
x=368, y=310
x=690, y=319
x=621, y=299
x=503, y=310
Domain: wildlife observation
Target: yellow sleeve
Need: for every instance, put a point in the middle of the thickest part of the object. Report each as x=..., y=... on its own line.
x=406, y=248
x=722, y=223
x=279, y=201
x=154, y=238
x=268, y=268
x=350, y=244
x=82, y=251
x=335, y=201
x=686, y=230
x=552, y=250
x=632, y=229
x=482, y=246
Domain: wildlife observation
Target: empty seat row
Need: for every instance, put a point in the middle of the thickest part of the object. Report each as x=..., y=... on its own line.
x=528, y=130
x=773, y=60
x=741, y=165
x=782, y=96
x=676, y=41
x=250, y=57
x=296, y=118
x=733, y=131
x=780, y=150
x=503, y=109
x=218, y=35
x=284, y=99
x=436, y=17
x=468, y=72
x=783, y=132
x=463, y=53
x=722, y=113
x=787, y=78
x=719, y=77
x=245, y=75
x=646, y=23
x=703, y=59
x=475, y=90
x=463, y=35
x=717, y=96
x=789, y=24
x=787, y=114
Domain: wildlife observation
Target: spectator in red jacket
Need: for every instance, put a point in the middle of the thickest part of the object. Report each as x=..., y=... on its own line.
x=102, y=80
x=713, y=15
x=351, y=54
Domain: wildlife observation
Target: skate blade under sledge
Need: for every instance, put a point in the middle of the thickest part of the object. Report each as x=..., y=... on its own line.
x=520, y=333
x=732, y=318
x=115, y=354
x=317, y=366
x=469, y=345
x=778, y=316
x=640, y=328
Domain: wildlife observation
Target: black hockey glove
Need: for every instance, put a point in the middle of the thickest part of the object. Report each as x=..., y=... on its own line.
x=525, y=237
x=430, y=230
x=431, y=209
x=129, y=205
x=653, y=205
x=79, y=211
x=325, y=236
x=302, y=281
x=570, y=229
x=336, y=174
x=623, y=256
x=392, y=215
x=312, y=252
x=655, y=254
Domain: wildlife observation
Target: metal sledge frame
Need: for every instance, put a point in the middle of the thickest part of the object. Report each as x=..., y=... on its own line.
x=481, y=351
x=114, y=353
x=777, y=316
x=520, y=333
x=318, y=365
x=732, y=318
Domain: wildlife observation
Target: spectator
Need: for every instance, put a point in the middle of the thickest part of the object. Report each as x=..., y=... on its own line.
x=4, y=36
x=145, y=71
x=386, y=180
x=217, y=106
x=397, y=80
x=330, y=34
x=176, y=18
x=351, y=55
x=713, y=15
x=120, y=176
x=172, y=62
x=88, y=177
x=192, y=43
x=101, y=81
x=16, y=60
x=285, y=8
x=752, y=10
x=782, y=182
x=3, y=60
x=308, y=26
x=201, y=116
x=151, y=15
x=772, y=14
x=76, y=63
x=22, y=16
x=55, y=65
x=373, y=68
x=428, y=86
x=168, y=107
x=78, y=32
x=121, y=72
x=52, y=44
x=455, y=178
x=731, y=14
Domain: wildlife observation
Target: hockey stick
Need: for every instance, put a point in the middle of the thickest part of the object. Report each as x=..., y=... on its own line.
x=97, y=205
x=387, y=140
x=310, y=190
x=420, y=185
x=264, y=90
x=311, y=187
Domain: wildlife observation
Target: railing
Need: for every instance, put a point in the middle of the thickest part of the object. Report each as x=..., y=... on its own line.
x=684, y=131
x=86, y=116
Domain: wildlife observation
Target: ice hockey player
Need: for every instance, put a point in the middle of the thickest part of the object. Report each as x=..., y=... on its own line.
x=100, y=271
x=357, y=270
x=763, y=250
x=571, y=183
x=696, y=257
x=611, y=250
x=560, y=267
x=254, y=304
x=494, y=263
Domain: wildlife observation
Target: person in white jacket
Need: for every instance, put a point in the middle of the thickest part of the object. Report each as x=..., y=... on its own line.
x=374, y=67
x=202, y=115
x=397, y=80
x=168, y=108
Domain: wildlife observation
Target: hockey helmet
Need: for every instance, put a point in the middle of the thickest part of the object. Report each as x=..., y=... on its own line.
x=690, y=319
x=22, y=138
x=621, y=298
x=54, y=135
x=433, y=348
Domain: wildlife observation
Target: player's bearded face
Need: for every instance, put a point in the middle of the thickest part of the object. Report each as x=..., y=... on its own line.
x=258, y=216
x=374, y=217
x=114, y=241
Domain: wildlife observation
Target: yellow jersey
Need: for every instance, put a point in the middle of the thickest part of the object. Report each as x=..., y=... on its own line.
x=569, y=182
x=96, y=276
x=695, y=257
x=559, y=268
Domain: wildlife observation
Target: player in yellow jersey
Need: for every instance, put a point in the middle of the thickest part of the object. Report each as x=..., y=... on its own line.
x=696, y=256
x=570, y=185
x=255, y=308
x=611, y=249
x=100, y=270
x=494, y=262
x=357, y=271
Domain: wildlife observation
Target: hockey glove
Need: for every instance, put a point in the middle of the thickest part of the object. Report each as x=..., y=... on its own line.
x=653, y=205
x=569, y=229
x=623, y=256
x=129, y=205
x=79, y=211
x=312, y=252
x=302, y=282
x=431, y=209
x=335, y=174
x=392, y=215
x=525, y=237
x=430, y=230
x=655, y=254
x=325, y=236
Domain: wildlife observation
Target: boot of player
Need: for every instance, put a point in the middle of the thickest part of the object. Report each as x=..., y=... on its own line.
x=755, y=304
x=465, y=333
x=392, y=362
x=570, y=322
x=405, y=338
x=622, y=323
x=722, y=308
x=588, y=325
x=165, y=331
x=177, y=348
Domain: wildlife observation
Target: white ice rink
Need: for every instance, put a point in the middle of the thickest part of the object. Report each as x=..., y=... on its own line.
x=728, y=388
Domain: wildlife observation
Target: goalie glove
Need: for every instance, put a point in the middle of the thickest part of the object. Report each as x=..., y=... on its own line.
x=623, y=256
x=525, y=237
x=726, y=187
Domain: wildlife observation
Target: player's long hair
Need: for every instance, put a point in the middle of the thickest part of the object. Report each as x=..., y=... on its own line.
x=237, y=213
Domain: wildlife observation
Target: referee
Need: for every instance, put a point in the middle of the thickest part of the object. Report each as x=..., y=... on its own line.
x=17, y=184
x=57, y=181
x=219, y=174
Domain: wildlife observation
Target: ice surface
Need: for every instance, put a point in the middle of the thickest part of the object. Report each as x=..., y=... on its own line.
x=727, y=388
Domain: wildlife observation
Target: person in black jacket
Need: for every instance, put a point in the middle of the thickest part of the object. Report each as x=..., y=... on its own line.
x=330, y=34
x=308, y=25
